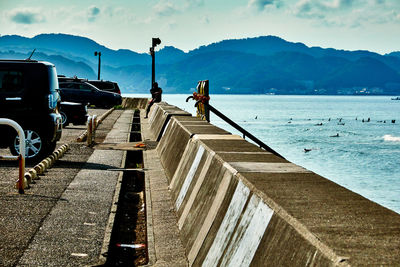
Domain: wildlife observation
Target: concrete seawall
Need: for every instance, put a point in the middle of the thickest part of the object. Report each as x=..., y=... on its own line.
x=238, y=205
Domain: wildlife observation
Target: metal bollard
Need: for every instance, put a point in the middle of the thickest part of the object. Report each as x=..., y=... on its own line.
x=94, y=127
x=89, y=131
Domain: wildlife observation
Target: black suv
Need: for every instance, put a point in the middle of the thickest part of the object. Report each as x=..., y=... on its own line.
x=29, y=95
x=79, y=91
x=106, y=86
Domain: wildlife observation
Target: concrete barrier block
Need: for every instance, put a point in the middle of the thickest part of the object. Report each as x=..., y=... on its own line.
x=134, y=103
x=46, y=163
x=42, y=167
x=38, y=169
x=175, y=138
x=56, y=155
x=160, y=116
x=33, y=172
x=28, y=177
x=171, y=146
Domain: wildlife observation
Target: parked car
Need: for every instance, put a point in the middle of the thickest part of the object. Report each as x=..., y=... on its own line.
x=79, y=91
x=29, y=95
x=75, y=113
x=106, y=86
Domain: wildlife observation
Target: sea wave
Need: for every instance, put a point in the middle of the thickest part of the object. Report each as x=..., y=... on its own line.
x=391, y=138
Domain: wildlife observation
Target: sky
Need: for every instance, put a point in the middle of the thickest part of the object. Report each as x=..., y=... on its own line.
x=372, y=25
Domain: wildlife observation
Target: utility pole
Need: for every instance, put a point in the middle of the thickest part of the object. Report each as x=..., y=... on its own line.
x=98, y=72
x=155, y=42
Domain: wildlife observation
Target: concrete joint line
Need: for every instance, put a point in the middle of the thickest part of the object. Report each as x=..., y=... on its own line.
x=229, y=167
x=217, y=137
x=268, y=167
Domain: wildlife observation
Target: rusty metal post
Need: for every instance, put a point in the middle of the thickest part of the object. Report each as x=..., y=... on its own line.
x=21, y=175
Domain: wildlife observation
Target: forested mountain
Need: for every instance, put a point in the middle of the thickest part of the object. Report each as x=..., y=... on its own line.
x=266, y=64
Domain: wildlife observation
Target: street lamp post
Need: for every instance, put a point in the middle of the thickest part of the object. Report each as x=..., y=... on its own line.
x=155, y=42
x=98, y=72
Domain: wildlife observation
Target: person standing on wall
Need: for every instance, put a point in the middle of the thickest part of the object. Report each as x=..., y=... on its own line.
x=155, y=97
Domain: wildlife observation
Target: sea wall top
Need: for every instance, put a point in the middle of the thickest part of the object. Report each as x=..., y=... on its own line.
x=237, y=203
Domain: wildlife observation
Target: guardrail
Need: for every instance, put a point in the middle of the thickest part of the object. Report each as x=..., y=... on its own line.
x=21, y=156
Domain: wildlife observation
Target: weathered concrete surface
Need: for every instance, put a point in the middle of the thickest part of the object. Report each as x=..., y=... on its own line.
x=160, y=116
x=164, y=243
x=134, y=103
x=22, y=215
x=73, y=233
x=177, y=134
x=238, y=205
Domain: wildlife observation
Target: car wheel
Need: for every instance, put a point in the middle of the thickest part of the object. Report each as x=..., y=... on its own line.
x=64, y=119
x=34, y=145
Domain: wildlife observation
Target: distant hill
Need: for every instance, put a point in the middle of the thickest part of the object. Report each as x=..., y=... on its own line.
x=68, y=67
x=260, y=65
x=394, y=54
x=74, y=47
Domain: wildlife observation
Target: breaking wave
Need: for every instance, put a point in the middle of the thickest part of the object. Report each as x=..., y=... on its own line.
x=391, y=138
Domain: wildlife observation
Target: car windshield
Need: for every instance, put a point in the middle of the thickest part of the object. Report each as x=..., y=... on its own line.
x=103, y=85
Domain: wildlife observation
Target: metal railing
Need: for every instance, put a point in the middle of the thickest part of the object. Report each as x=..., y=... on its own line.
x=245, y=133
x=21, y=156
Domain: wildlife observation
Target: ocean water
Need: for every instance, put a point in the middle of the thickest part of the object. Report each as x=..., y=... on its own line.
x=364, y=157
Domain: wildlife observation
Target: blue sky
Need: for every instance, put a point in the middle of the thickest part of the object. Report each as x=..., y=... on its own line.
x=186, y=24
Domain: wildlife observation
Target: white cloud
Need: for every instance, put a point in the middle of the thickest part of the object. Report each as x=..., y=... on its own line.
x=166, y=8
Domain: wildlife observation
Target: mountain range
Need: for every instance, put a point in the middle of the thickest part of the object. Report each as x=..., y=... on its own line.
x=261, y=65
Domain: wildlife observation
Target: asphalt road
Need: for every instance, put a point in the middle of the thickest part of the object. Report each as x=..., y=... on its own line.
x=21, y=216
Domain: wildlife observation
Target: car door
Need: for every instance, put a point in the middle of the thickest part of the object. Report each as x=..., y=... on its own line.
x=86, y=93
x=68, y=91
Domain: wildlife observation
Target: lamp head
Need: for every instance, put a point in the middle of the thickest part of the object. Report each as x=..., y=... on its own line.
x=156, y=41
